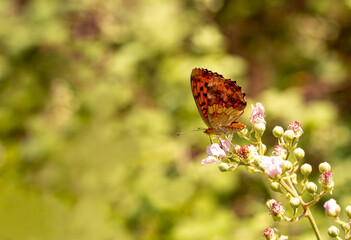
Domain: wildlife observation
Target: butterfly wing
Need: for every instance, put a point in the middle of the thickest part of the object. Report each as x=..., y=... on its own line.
x=226, y=102
x=199, y=84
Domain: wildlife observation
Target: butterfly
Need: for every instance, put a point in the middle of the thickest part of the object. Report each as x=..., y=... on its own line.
x=220, y=101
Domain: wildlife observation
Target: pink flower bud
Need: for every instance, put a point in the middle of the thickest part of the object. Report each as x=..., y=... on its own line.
x=269, y=233
x=331, y=208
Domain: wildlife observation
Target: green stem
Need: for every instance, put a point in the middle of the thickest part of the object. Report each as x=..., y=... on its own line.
x=313, y=223
x=291, y=189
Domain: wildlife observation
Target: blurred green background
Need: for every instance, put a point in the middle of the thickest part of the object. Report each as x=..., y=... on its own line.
x=93, y=92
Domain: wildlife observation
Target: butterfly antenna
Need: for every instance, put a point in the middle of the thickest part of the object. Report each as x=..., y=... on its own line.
x=199, y=129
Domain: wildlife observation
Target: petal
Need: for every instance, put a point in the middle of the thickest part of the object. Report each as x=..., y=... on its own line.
x=209, y=160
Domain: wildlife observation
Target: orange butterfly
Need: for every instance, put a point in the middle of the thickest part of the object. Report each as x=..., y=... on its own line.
x=220, y=101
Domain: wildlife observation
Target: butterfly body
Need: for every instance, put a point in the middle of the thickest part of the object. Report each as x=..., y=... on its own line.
x=220, y=101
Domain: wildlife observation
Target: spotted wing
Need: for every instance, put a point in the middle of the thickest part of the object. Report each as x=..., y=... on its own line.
x=225, y=100
x=200, y=79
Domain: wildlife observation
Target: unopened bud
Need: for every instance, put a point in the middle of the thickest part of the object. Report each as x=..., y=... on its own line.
x=311, y=187
x=299, y=154
x=264, y=148
x=259, y=128
x=286, y=166
x=331, y=207
x=269, y=234
x=288, y=135
x=236, y=148
x=293, y=178
x=348, y=211
x=333, y=231
x=276, y=187
x=294, y=202
x=277, y=211
x=326, y=181
x=306, y=169
x=270, y=202
x=243, y=132
x=278, y=132
x=324, y=167
x=223, y=167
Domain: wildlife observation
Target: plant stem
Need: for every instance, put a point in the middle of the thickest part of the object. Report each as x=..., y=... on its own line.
x=291, y=189
x=313, y=223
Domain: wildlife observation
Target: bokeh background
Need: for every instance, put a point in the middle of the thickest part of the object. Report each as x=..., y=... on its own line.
x=93, y=92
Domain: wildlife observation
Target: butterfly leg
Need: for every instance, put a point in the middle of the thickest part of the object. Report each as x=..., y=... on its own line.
x=229, y=141
x=210, y=139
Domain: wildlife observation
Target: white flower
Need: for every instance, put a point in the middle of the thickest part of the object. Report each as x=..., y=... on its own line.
x=257, y=114
x=272, y=165
x=296, y=127
x=215, y=150
x=209, y=160
x=225, y=144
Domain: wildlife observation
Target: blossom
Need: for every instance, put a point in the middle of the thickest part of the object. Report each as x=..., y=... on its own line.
x=296, y=127
x=225, y=144
x=277, y=209
x=215, y=150
x=257, y=114
x=272, y=165
x=326, y=180
x=209, y=160
x=247, y=152
x=280, y=151
x=269, y=233
x=331, y=208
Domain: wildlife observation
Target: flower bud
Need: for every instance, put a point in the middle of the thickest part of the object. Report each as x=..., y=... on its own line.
x=299, y=154
x=324, y=167
x=278, y=132
x=288, y=135
x=326, y=181
x=311, y=187
x=264, y=148
x=277, y=211
x=293, y=178
x=332, y=209
x=276, y=187
x=294, y=202
x=269, y=234
x=306, y=169
x=236, y=147
x=270, y=202
x=243, y=132
x=223, y=167
x=286, y=166
x=348, y=211
x=257, y=162
x=260, y=128
x=333, y=231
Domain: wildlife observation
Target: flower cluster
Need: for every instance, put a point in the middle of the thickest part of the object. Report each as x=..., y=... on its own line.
x=280, y=167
